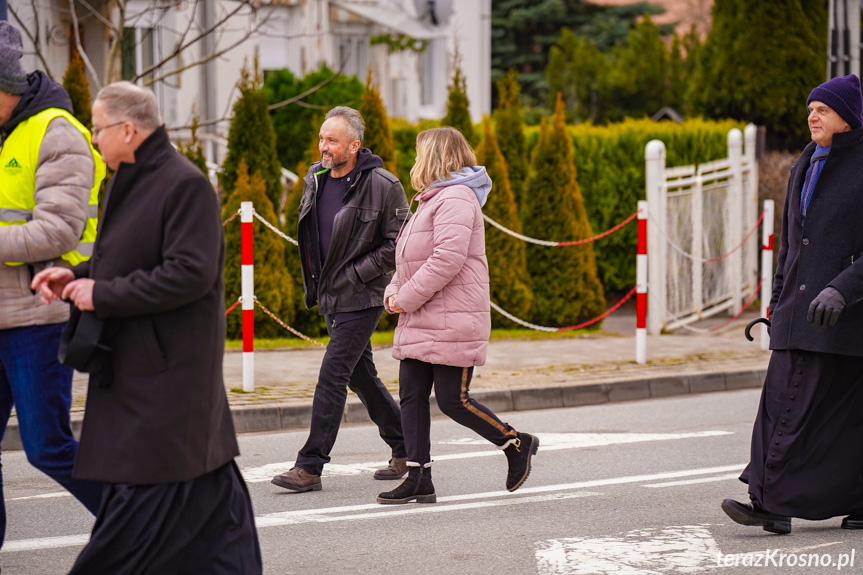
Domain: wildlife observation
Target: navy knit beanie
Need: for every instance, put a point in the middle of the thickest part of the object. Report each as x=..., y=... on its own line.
x=844, y=96
x=13, y=79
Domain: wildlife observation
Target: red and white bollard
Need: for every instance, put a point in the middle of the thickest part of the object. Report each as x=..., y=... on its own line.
x=766, y=268
x=641, y=287
x=248, y=296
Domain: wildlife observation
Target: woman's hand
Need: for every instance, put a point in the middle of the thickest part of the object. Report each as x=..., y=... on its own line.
x=392, y=306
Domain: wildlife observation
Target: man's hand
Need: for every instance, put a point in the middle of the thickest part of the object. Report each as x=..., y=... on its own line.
x=825, y=308
x=80, y=292
x=50, y=283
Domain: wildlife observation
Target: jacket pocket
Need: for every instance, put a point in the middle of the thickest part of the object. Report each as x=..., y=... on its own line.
x=150, y=348
x=365, y=224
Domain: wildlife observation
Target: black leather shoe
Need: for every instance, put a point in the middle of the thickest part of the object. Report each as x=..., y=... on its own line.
x=753, y=514
x=853, y=522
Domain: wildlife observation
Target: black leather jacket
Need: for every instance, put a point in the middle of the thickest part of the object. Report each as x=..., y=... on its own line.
x=361, y=257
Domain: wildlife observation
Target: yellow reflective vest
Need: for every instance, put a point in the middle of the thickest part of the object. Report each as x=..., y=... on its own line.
x=19, y=158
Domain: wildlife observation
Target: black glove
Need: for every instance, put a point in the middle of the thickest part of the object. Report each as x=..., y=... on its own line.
x=825, y=308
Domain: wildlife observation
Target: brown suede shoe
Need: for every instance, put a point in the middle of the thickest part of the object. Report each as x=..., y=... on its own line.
x=396, y=469
x=299, y=480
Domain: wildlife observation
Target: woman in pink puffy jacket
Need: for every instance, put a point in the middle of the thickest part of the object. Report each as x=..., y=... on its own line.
x=440, y=289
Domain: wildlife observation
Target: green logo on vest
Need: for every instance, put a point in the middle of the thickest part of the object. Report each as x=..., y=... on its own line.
x=13, y=165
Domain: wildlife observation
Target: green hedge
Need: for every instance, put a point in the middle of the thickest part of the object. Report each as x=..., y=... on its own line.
x=609, y=161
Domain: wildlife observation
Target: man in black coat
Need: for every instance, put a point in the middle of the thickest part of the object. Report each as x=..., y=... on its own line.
x=805, y=454
x=157, y=427
x=350, y=215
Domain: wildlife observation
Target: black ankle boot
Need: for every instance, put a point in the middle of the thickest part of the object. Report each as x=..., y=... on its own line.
x=417, y=487
x=518, y=454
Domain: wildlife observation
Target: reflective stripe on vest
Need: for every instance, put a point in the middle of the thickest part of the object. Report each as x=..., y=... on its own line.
x=19, y=158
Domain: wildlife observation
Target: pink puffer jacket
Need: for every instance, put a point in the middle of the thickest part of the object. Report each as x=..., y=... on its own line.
x=441, y=281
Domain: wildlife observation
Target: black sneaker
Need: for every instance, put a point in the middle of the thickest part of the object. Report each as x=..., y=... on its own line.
x=518, y=454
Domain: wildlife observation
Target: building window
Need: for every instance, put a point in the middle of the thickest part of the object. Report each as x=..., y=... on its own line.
x=138, y=51
x=353, y=51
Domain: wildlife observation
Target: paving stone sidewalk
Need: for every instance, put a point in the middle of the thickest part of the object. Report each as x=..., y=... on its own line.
x=519, y=374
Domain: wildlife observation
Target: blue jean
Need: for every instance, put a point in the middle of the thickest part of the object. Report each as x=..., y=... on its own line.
x=348, y=363
x=33, y=380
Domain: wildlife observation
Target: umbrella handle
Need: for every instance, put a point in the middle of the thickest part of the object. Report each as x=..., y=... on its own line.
x=752, y=324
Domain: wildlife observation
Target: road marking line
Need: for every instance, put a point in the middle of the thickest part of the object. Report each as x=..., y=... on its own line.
x=677, y=549
x=43, y=496
x=44, y=543
x=548, y=442
x=353, y=511
x=387, y=512
x=694, y=481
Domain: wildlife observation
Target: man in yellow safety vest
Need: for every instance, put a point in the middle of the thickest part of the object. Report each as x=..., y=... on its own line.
x=49, y=183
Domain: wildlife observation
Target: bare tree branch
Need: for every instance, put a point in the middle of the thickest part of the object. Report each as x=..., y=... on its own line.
x=204, y=33
x=108, y=24
x=34, y=39
x=312, y=90
x=80, y=48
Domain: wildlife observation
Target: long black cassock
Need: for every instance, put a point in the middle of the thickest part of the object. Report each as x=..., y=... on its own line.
x=808, y=436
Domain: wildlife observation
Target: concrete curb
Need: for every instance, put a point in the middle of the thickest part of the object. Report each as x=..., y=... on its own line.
x=252, y=418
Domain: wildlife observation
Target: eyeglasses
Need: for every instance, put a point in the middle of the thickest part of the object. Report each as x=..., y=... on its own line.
x=97, y=131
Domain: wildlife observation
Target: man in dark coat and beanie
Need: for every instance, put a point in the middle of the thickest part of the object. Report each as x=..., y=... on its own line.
x=350, y=215
x=805, y=453
x=157, y=428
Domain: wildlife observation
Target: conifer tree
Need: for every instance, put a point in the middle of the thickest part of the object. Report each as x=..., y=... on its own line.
x=76, y=85
x=509, y=128
x=193, y=149
x=307, y=321
x=758, y=64
x=636, y=79
x=458, y=106
x=273, y=282
x=378, y=137
x=251, y=138
x=575, y=69
x=566, y=287
x=507, y=263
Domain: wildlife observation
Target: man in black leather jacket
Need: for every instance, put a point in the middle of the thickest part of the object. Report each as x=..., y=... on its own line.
x=350, y=215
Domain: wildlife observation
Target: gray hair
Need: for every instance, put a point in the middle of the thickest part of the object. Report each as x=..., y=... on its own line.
x=127, y=102
x=356, y=125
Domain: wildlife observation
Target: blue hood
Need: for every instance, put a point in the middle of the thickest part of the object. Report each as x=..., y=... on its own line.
x=473, y=177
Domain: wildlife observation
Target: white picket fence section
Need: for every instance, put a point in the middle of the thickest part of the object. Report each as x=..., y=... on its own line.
x=699, y=215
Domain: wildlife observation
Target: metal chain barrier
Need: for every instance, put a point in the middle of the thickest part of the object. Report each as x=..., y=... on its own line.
x=686, y=254
x=718, y=327
x=275, y=229
x=287, y=327
x=559, y=244
x=608, y=312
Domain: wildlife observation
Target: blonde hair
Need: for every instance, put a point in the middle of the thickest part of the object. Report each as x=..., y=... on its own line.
x=440, y=152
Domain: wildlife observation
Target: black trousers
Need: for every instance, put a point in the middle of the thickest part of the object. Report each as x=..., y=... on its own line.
x=806, y=442
x=201, y=526
x=348, y=362
x=451, y=387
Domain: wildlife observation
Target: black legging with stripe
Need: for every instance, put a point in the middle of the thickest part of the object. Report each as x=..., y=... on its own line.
x=451, y=387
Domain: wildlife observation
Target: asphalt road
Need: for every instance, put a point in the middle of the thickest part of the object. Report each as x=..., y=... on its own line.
x=617, y=488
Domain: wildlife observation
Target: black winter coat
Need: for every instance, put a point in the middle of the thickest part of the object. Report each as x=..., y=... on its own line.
x=160, y=415
x=361, y=257
x=826, y=251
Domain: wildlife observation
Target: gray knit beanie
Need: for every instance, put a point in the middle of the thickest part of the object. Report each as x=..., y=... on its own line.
x=13, y=78
x=844, y=96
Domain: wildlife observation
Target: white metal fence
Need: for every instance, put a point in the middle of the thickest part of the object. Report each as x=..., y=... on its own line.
x=702, y=254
